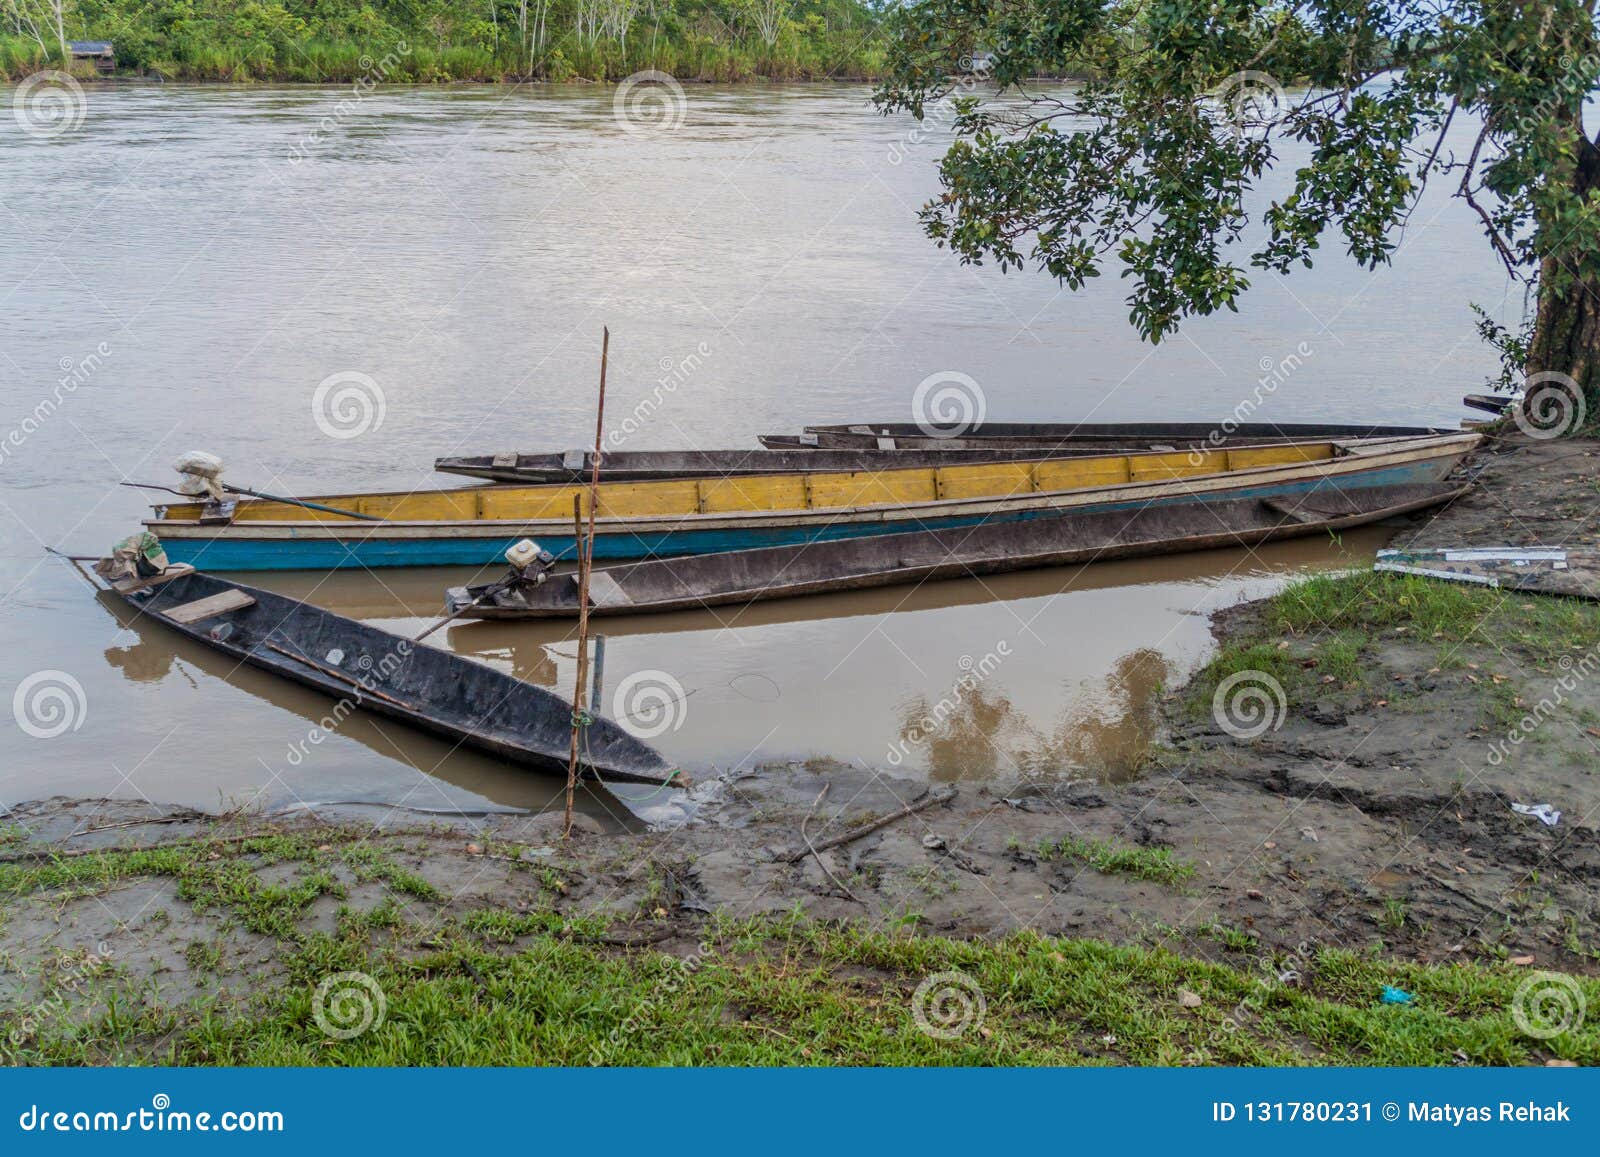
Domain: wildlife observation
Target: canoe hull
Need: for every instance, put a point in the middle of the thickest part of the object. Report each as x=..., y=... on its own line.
x=655, y=465
x=906, y=436
x=888, y=560
x=386, y=674
x=337, y=544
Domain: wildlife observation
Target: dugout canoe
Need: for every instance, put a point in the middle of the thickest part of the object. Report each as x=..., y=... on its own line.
x=886, y=560
x=534, y=467
x=1065, y=435
x=476, y=525
x=1574, y=572
x=389, y=675
x=1491, y=403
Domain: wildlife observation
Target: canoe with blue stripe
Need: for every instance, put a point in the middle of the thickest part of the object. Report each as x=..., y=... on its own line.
x=475, y=525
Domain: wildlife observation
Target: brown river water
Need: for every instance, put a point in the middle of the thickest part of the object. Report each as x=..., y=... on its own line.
x=198, y=263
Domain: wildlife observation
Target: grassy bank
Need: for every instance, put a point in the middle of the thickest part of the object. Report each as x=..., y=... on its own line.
x=530, y=983
x=1319, y=637
x=341, y=41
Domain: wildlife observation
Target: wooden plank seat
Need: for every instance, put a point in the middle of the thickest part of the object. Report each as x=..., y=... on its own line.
x=210, y=606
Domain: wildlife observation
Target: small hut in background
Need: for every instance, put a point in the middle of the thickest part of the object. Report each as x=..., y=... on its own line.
x=102, y=52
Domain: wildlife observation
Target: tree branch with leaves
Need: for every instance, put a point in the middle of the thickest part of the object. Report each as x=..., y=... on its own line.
x=1153, y=160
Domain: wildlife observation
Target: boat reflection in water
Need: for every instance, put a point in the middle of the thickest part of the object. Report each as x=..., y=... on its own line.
x=836, y=676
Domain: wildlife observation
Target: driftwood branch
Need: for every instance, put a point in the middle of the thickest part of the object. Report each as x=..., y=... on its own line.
x=870, y=826
x=817, y=855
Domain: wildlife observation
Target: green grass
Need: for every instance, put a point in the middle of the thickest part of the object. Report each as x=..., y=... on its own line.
x=491, y=986
x=1318, y=636
x=1433, y=611
x=1113, y=857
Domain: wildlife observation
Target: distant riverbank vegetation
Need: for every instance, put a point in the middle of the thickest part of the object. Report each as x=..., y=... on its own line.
x=429, y=41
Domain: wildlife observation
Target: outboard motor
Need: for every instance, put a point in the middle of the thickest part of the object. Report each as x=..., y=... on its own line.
x=530, y=563
x=202, y=477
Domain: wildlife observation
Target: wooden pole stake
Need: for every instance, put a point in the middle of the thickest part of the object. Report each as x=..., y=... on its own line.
x=584, y=545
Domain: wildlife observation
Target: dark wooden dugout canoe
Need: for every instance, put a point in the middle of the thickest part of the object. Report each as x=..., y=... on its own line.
x=654, y=465
x=748, y=576
x=1070, y=435
x=1489, y=403
x=390, y=675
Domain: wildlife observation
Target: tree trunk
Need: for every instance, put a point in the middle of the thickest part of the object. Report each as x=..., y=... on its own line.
x=1566, y=332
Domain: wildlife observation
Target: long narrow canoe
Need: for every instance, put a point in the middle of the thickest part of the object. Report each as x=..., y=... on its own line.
x=1064, y=435
x=389, y=675
x=533, y=467
x=1545, y=570
x=853, y=564
x=477, y=525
